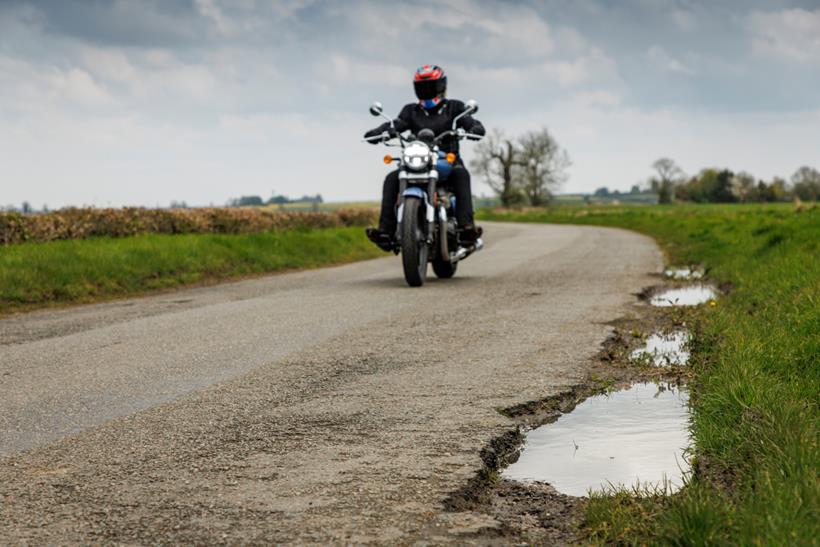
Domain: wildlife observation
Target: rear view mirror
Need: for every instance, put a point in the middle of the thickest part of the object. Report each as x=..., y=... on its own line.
x=470, y=107
x=376, y=109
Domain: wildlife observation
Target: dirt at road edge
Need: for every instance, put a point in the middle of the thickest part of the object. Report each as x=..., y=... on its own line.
x=535, y=513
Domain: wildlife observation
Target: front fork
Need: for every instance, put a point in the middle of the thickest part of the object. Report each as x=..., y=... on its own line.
x=415, y=192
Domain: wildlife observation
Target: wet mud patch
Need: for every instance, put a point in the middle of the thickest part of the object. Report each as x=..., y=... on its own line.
x=502, y=451
x=664, y=349
x=535, y=511
x=534, y=413
x=652, y=347
x=685, y=272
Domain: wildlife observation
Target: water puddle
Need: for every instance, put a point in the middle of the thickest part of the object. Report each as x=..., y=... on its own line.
x=684, y=296
x=632, y=437
x=665, y=350
x=684, y=273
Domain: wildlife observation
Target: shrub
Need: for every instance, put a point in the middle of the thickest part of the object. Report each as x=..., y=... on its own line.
x=83, y=223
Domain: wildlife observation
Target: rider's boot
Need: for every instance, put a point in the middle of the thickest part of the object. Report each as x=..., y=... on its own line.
x=469, y=233
x=381, y=238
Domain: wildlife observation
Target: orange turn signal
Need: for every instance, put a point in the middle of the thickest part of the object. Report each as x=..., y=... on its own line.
x=451, y=158
x=388, y=159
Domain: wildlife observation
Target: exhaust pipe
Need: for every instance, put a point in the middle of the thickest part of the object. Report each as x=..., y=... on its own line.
x=464, y=252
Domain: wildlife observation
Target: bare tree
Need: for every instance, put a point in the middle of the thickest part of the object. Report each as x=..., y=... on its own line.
x=496, y=158
x=668, y=170
x=744, y=186
x=669, y=175
x=542, y=166
x=806, y=181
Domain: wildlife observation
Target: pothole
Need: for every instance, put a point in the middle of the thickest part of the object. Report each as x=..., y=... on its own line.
x=664, y=350
x=692, y=295
x=569, y=444
x=686, y=272
x=636, y=437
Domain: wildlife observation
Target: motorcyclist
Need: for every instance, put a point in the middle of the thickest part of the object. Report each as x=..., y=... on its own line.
x=436, y=112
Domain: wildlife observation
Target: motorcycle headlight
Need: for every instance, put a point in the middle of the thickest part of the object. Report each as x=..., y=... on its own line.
x=416, y=156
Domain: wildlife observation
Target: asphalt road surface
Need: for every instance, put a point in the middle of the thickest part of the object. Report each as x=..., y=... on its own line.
x=335, y=405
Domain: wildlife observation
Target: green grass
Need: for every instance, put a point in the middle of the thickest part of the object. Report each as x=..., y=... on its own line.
x=756, y=386
x=39, y=274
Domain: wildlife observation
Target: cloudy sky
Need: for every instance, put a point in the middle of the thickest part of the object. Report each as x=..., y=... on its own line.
x=115, y=102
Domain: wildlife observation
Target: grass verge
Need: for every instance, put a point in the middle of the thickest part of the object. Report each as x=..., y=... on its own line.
x=756, y=377
x=71, y=271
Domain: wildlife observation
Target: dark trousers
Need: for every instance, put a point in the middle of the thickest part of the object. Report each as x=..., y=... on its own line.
x=458, y=182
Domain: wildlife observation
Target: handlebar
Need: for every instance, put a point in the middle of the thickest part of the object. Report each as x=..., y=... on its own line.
x=458, y=133
x=383, y=137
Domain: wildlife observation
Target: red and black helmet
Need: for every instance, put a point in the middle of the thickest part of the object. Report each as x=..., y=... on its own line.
x=430, y=82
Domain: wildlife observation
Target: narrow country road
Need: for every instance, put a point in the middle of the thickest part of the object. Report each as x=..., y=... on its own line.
x=329, y=406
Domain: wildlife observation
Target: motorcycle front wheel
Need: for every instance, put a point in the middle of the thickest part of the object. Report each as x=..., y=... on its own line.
x=414, y=249
x=444, y=268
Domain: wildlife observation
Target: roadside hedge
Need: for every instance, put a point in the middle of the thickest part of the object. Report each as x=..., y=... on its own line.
x=83, y=223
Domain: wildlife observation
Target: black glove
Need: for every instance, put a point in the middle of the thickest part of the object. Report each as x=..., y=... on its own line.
x=478, y=130
x=388, y=133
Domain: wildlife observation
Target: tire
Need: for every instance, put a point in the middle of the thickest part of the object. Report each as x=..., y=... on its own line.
x=444, y=269
x=414, y=250
x=442, y=242
x=441, y=262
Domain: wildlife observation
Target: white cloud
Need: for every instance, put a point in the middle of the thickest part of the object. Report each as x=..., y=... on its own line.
x=108, y=64
x=210, y=10
x=685, y=20
x=659, y=57
x=80, y=87
x=344, y=69
x=26, y=87
x=596, y=98
x=792, y=35
x=491, y=31
x=591, y=67
x=155, y=75
x=285, y=8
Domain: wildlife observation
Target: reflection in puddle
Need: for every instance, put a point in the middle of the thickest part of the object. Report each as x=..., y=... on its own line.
x=684, y=273
x=665, y=349
x=631, y=436
x=684, y=296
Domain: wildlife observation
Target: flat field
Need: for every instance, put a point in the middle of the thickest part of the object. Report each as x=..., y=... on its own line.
x=325, y=207
x=756, y=376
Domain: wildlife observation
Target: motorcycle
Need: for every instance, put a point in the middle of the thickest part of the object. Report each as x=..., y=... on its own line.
x=427, y=231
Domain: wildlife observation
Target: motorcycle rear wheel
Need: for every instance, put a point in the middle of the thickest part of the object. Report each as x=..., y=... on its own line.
x=414, y=251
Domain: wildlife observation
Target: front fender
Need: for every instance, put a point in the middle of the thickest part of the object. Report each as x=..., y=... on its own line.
x=414, y=192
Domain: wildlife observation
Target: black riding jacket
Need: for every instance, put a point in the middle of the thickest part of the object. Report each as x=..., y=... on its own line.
x=414, y=117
